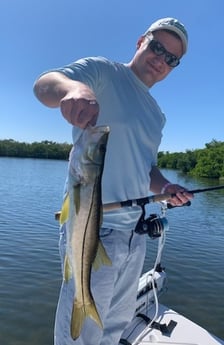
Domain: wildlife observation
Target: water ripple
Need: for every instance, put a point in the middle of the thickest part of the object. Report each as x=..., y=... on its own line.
x=30, y=270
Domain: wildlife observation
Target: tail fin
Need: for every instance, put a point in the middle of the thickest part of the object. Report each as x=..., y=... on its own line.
x=79, y=314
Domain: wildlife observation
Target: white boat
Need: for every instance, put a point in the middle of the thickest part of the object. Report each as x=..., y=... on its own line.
x=156, y=324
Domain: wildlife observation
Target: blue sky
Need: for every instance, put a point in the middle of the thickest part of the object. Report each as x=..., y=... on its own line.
x=38, y=35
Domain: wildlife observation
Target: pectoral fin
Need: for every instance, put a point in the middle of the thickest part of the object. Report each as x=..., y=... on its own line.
x=67, y=269
x=77, y=198
x=64, y=210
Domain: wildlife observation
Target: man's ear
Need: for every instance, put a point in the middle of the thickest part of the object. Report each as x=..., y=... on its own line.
x=140, y=41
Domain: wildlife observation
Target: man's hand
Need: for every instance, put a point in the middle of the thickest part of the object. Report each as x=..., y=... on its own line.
x=79, y=107
x=76, y=100
x=181, y=194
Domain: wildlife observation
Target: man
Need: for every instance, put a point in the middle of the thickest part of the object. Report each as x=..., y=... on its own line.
x=95, y=90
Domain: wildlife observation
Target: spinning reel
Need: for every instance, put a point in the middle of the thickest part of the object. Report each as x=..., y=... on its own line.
x=153, y=225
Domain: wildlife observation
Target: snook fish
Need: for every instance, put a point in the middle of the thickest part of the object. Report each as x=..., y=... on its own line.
x=82, y=209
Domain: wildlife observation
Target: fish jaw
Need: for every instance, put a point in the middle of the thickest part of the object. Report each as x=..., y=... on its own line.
x=88, y=154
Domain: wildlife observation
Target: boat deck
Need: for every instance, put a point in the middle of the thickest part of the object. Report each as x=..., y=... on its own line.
x=169, y=327
x=182, y=331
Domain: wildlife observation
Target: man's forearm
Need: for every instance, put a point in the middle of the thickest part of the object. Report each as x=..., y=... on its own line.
x=157, y=180
x=76, y=100
x=51, y=87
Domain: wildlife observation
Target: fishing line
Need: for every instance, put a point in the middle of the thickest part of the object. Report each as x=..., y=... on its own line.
x=151, y=279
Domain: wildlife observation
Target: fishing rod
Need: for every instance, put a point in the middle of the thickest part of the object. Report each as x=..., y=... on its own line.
x=149, y=199
x=154, y=198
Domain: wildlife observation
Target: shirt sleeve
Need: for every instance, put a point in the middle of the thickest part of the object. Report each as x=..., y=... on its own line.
x=89, y=71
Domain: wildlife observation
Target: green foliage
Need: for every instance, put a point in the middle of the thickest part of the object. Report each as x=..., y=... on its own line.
x=44, y=149
x=210, y=161
x=207, y=162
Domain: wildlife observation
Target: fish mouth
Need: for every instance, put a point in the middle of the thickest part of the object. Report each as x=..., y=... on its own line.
x=100, y=129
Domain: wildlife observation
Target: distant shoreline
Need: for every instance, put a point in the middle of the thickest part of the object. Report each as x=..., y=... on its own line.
x=204, y=163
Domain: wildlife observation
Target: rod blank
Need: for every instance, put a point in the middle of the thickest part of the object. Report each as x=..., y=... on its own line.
x=153, y=198
x=147, y=200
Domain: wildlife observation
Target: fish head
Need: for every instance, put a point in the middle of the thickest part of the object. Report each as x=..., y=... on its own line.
x=95, y=143
x=88, y=154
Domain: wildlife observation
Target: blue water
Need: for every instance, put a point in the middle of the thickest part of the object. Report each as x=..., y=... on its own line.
x=30, y=193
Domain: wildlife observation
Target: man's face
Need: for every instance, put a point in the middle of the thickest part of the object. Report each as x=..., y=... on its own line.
x=149, y=67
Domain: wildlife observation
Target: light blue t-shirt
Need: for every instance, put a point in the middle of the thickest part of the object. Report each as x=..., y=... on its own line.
x=136, y=124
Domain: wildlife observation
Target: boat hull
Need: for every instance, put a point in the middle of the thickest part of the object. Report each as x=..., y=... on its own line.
x=169, y=327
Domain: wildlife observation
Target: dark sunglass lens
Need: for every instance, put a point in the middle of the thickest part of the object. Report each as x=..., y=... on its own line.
x=156, y=47
x=172, y=60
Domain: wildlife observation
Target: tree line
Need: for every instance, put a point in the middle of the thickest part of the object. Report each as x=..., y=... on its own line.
x=207, y=162
x=44, y=149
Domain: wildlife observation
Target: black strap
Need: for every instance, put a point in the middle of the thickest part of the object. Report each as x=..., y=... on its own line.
x=163, y=328
x=124, y=342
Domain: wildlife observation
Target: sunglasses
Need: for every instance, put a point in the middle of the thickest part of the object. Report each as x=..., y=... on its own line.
x=158, y=49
